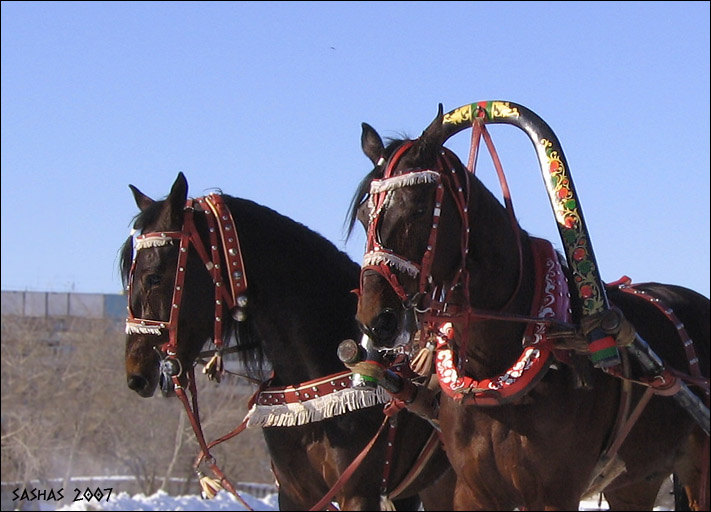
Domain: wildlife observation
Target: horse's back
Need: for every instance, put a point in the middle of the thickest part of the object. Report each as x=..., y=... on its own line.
x=665, y=438
x=663, y=314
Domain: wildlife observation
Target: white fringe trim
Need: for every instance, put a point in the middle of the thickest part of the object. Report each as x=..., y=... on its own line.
x=144, y=243
x=317, y=409
x=377, y=257
x=136, y=328
x=383, y=206
x=404, y=180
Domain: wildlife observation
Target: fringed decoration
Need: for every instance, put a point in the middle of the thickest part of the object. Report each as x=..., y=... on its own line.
x=404, y=180
x=210, y=487
x=423, y=362
x=214, y=368
x=136, y=328
x=317, y=409
x=384, y=204
x=154, y=241
x=377, y=257
x=386, y=503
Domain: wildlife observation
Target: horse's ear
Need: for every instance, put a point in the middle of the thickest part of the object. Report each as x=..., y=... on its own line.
x=142, y=200
x=371, y=143
x=178, y=197
x=432, y=138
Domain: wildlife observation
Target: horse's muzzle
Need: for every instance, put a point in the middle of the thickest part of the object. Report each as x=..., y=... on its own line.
x=391, y=328
x=140, y=385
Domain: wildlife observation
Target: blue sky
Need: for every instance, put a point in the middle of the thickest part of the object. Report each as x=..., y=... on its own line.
x=265, y=100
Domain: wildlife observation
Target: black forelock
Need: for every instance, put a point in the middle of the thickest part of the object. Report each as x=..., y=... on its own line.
x=363, y=190
x=140, y=221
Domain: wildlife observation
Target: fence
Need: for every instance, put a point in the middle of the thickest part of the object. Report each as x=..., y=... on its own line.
x=58, y=304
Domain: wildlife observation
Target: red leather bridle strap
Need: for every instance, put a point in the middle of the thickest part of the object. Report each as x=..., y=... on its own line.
x=230, y=245
x=222, y=234
x=383, y=260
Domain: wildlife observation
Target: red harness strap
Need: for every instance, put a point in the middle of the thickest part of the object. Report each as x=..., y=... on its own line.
x=348, y=472
x=304, y=391
x=625, y=285
x=389, y=452
x=425, y=455
x=667, y=385
x=194, y=417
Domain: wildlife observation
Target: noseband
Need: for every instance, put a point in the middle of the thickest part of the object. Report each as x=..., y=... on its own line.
x=384, y=261
x=224, y=254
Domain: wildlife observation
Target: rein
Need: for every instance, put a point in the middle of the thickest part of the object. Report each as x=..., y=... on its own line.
x=220, y=224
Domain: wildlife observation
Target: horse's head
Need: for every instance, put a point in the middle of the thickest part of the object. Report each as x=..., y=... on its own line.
x=160, y=282
x=413, y=206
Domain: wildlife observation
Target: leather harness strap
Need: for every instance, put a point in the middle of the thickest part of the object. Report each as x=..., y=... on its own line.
x=424, y=457
x=665, y=386
x=348, y=472
x=220, y=224
x=625, y=285
x=304, y=391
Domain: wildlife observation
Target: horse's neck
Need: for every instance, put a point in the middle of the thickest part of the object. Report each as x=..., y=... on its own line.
x=300, y=300
x=493, y=260
x=495, y=271
x=300, y=336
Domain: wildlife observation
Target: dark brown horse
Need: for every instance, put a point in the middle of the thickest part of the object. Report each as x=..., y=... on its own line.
x=535, y=429
x=293, y=305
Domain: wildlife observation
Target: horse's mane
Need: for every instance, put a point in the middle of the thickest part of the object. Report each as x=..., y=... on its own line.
x=314, y=276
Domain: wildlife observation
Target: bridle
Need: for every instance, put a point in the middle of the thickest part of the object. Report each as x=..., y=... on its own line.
x=387, y=262
x=223, y=260
x=441, y=305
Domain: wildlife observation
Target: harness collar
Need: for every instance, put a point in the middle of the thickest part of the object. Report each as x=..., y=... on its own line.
x=551, y=300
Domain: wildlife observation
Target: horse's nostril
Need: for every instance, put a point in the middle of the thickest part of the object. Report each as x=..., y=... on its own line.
x=385, y=325
x=137, y=383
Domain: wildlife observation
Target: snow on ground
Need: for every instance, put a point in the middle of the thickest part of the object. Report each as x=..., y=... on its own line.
x=162, y=501
x=223, y=501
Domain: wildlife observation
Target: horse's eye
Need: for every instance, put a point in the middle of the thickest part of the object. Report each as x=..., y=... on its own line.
x=152, y=280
